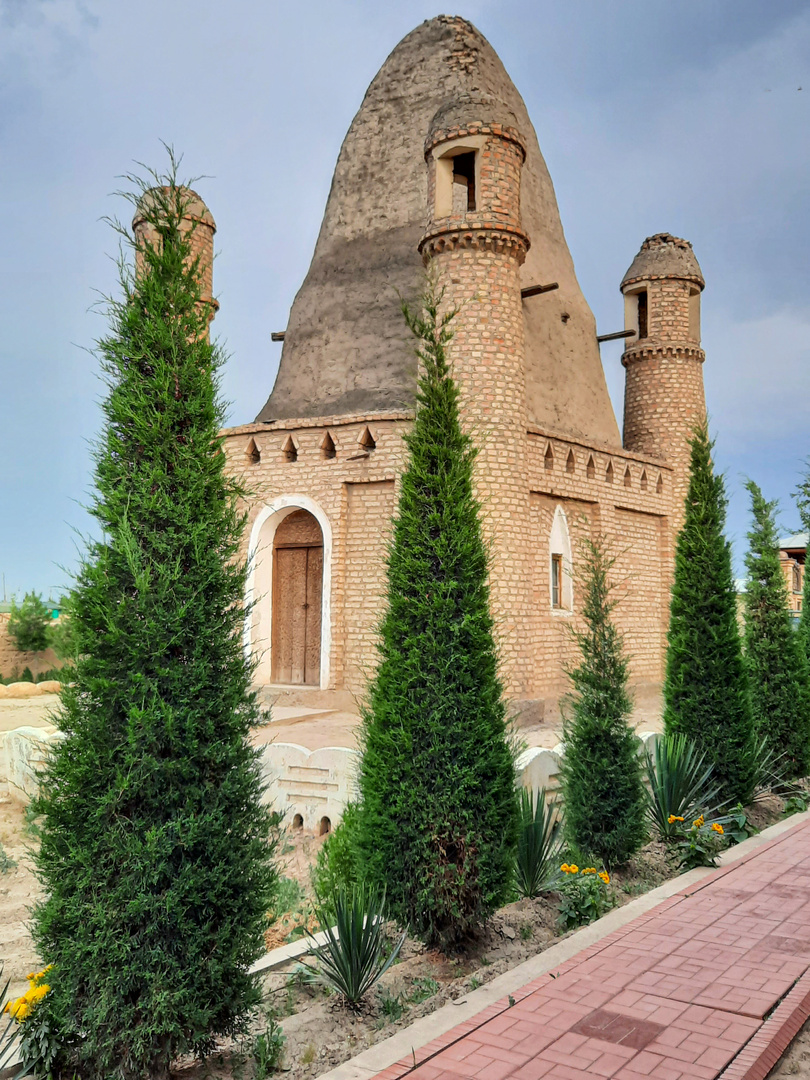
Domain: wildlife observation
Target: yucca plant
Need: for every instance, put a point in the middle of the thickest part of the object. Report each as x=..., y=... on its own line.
x=539, y=849
x=353, y=957
x=681, y=784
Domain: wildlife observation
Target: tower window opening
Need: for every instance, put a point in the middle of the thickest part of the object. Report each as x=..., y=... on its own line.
x=570, y=463
x=642, y=313
x=609, y=472
x=628, y=478
x=591, y=468
x=797, y=578
x=367, y=441
x=556, y=580
x=549, y=457
x=659, y=484
x=643, y=484
x=464, y=182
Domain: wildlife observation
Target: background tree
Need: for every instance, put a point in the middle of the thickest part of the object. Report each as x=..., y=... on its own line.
x=437, y=820
x=154, y=856
x=706, y=694
x=601, y=773
x=803, y=503
x=774, y=652
x=28, y=624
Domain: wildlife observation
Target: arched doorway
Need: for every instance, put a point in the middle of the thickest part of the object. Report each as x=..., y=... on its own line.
x=297, y=586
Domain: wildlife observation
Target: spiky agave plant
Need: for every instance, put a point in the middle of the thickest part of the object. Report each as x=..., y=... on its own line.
x=681, y=784
x=353, y=955
x=539, y=847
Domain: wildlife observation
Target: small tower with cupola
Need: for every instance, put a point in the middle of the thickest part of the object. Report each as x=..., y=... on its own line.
x=664, y=396
x=476, y=245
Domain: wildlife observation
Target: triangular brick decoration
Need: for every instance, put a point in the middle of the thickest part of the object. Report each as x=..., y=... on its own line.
x=591, y=468
x=367, y=441
x=252, y=453
x=628, y=477
x=570, y=463
x=609, y=472
x=643, y=479
x=659, y=486
x=549, y=458
x=290, y=450
x=328, y=450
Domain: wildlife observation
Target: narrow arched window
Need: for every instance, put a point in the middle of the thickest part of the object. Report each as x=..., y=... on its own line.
x=561, y=582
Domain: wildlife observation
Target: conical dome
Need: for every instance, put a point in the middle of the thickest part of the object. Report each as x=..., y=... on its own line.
x=346, y=349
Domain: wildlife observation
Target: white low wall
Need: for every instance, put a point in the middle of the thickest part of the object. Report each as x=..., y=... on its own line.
x=315, y=784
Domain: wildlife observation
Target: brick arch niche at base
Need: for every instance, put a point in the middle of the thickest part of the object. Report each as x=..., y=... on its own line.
x=290, y=585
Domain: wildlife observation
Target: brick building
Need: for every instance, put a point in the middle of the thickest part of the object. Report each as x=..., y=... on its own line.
x=442, y=164
x=792, y=552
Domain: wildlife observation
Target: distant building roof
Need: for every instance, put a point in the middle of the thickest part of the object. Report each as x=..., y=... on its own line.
x=794, y=542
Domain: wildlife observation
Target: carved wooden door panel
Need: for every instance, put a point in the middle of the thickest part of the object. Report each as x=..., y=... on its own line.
x=296, y=639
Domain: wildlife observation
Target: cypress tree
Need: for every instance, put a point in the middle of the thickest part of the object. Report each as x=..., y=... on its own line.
x=601, y=773
x=437, y=820
x=776, y=660
x=154, y=853
x=706, y=695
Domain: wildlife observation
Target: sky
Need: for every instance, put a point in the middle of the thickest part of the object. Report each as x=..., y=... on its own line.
x=691, y=118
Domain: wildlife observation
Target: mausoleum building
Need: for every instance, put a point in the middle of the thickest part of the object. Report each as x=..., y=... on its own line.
x=441, y=165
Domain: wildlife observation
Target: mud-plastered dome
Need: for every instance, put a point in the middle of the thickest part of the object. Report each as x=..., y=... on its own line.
x=664, y=256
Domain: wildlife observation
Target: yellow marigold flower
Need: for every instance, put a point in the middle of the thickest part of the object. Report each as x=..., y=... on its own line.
x=589, y=870
x=573, y=868
x=605, y=877
x=718, y=828
x=698, y=822
x=564, y=868
x=673, y=818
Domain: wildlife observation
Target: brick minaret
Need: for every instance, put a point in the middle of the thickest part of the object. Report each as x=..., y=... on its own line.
x=475, y=240
x=198, y=217
x=663, y=396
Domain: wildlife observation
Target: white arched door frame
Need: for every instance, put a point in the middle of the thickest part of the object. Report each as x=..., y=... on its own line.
x=262, y=534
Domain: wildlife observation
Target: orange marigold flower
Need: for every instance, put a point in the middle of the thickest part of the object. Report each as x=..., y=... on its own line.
x=565, y=868
x=605, y=877
x=698, y=822
x=718, y=828
x=573, y=868
x=673, y=818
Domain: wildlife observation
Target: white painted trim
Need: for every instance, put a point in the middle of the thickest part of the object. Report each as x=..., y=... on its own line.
x=278, y=509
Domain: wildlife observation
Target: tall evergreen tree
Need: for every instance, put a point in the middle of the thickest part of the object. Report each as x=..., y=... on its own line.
x=437, y=819
x=601, y=774
x=154, y=855
x=775, y=656
x=706, y=694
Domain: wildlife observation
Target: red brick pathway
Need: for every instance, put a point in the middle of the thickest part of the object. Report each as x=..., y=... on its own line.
x=713, y=982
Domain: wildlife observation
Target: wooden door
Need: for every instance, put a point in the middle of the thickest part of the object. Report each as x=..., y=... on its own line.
x=296, y=637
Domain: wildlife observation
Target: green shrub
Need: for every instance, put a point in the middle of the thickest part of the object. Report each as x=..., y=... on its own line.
x=680, y=784
x=337, y=865
x=28, y=624
x=154, y=851
x=602, y=788
x=777, y=663
x=539, y=846
x=585, y=895
x=706, y=694
x=437, y=822
x=353, y=956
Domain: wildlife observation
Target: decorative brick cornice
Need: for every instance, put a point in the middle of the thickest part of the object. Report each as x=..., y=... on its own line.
x=501, y=131
x=674, y=350
x=486, y=235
